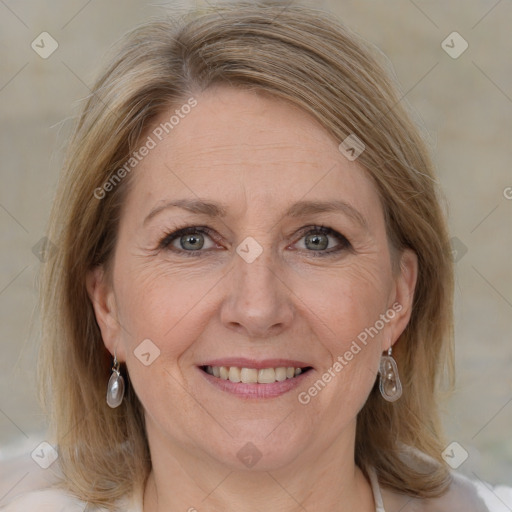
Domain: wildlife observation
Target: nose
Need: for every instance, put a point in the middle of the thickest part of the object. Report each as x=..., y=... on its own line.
x=258, y=303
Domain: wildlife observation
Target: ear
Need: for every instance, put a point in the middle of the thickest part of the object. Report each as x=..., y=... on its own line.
x=405, y=284
x=102, y=297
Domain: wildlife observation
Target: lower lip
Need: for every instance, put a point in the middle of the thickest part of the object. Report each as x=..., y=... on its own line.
x=255, y=390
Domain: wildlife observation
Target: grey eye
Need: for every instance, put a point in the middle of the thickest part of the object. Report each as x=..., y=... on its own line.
x=192, y=241
x=316, y=241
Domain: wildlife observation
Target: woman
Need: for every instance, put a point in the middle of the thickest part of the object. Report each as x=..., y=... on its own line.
x=251, y=305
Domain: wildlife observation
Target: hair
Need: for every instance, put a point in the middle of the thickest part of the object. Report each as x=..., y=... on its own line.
x=294, y=54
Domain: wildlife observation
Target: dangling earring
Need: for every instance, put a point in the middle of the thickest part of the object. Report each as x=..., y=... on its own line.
x=115, y=388
x=389, y=385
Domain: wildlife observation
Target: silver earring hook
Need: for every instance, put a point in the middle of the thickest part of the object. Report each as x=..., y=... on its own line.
x=115, y=365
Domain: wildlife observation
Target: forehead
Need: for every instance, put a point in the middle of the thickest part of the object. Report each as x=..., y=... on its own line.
x=239, y=145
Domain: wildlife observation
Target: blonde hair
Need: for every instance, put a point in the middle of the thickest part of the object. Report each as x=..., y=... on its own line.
x=294, y=54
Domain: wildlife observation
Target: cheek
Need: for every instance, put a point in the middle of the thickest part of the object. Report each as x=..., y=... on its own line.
x=348, y=301
x=162, y=317
x=156, y=301
x=163, y=313
x=346, y=311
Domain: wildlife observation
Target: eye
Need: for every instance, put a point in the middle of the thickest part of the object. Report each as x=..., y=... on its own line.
x=198, y=240
x=319, y=238
x=190, y=239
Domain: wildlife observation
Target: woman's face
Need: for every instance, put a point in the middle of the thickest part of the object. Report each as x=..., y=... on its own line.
x=284, y=264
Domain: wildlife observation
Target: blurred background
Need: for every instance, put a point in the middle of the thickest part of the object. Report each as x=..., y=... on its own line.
x=459, y=87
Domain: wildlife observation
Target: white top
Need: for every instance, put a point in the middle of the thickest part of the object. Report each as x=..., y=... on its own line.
x=464, y=495
x=377, y=496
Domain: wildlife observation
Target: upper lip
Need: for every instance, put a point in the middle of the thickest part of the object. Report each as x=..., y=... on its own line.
x=242, y=362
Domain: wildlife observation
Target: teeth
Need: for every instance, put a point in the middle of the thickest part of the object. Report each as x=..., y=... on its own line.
x=249, y=375
x=280, y=373
x=234, y=374
x=266, y=376
x=253, y=375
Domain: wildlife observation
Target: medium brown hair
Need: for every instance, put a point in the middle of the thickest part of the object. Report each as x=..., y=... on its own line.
x=294, y=54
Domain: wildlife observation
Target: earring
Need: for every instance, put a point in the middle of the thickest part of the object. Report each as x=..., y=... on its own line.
x=115, y=388
x=389, y=385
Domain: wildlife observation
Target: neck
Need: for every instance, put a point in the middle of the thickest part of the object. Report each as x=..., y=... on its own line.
x=184, y=480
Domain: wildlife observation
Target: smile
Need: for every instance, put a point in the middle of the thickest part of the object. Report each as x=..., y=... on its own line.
x=237, y=374
x=246, y=382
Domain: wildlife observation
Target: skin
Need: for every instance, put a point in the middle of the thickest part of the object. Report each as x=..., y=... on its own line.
x=257, y=156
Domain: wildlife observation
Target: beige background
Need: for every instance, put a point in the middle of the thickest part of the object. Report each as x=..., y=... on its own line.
x=464, y=105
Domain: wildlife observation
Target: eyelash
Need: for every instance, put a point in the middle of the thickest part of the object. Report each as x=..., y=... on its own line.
x=169, y=237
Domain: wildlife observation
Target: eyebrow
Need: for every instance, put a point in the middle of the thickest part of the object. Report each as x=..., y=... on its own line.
x=299, y=209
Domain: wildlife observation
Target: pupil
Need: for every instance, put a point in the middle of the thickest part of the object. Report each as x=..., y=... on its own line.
x=317, y=242
x=193, y=241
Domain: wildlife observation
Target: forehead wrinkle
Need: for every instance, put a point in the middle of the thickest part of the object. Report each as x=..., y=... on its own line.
x=236, y=155
x=263, y=146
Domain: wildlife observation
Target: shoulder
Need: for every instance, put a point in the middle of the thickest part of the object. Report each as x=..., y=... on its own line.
x=473, y=496
x=44, y=490
x=497, y=498
x=45, y=501
x=463, y=494
x=56, y=499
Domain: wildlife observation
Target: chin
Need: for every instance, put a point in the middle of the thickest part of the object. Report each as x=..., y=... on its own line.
x=264, y=449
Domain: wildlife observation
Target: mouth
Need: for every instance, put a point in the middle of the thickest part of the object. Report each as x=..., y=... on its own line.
x=247, y=375
x=248, y=378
